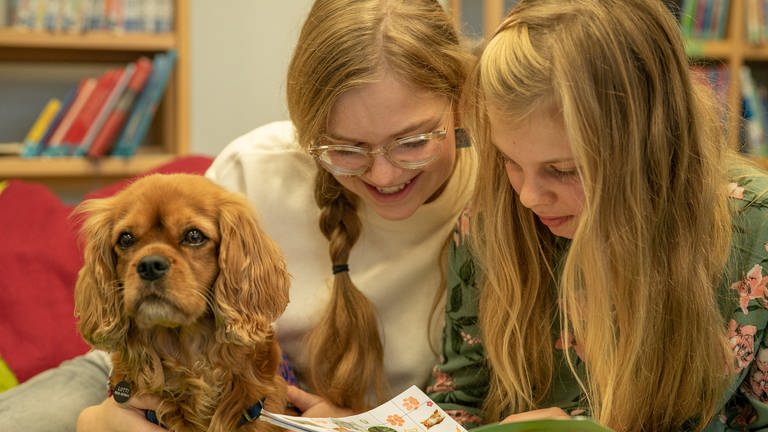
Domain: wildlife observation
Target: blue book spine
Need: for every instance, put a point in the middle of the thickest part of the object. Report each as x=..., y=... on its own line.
x=138, y=123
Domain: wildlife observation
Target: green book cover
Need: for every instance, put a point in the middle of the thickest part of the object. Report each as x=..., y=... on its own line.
x=574, y=424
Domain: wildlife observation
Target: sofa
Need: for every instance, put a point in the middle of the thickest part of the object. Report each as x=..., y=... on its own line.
x=40, y=255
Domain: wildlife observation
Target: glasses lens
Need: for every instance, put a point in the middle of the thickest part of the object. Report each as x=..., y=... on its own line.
x=345, y=160
x=417, y=150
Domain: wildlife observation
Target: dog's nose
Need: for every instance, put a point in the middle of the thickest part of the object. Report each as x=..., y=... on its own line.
x=152, y=267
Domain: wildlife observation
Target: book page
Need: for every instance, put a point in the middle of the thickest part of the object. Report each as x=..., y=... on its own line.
x=410, y=411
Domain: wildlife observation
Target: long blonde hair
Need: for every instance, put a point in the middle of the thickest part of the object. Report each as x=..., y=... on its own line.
x=637, y=287
x=345, y=44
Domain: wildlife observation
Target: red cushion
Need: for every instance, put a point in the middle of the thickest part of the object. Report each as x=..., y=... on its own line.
x=39, y=260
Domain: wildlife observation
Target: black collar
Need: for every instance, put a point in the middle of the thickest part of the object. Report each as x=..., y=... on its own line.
x=250, y=414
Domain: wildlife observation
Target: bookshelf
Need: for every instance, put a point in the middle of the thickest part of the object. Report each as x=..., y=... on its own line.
x=168, y=136
x=732, y=51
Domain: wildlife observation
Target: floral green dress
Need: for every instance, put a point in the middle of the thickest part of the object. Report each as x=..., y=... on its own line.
x=459, y=383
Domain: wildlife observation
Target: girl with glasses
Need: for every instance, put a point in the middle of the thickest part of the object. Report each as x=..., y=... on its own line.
x=361, y=190
x=364, y=236
x=621, y=246
x=359, y=324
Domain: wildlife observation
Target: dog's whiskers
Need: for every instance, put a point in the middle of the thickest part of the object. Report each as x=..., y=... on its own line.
x=116, y=287
x=207, y=296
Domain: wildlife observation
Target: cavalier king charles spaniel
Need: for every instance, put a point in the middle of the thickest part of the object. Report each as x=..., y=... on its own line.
x=181, y=286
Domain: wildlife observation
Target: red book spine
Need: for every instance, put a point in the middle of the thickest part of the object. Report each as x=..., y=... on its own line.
x=56, y=145
x=91, y=108
x=104, y=140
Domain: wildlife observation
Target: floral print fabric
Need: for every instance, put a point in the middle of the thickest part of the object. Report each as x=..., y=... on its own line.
x=460, y=382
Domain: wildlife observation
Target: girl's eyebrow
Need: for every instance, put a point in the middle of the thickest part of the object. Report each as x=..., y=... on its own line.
x=563, y=160
x=546, y=162
x=410, y=129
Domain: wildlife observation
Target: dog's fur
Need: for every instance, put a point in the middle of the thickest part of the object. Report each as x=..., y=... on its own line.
x=181, y=285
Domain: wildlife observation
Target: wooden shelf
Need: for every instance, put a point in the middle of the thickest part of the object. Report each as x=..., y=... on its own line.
x=708, y=49
x=71, y=178
x=755, y=52
x=112, y=167
x=107, y=41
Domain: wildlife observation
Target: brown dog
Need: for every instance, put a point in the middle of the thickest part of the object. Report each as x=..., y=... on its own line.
x=181, y=285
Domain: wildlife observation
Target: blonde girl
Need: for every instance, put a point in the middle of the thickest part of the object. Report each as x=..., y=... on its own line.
x=621, y=245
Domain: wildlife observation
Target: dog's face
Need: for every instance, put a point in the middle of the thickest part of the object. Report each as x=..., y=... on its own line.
x=166, y=253
x=170, y=250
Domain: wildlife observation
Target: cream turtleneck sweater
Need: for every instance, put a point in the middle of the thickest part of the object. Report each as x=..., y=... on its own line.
x=396, y=264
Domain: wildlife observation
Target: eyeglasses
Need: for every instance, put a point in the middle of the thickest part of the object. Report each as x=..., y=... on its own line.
x=411, y=152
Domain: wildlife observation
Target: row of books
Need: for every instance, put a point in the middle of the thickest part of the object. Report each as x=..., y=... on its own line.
x=755, y=21
x=754, y=105
x=105, y=115
x=79, y=16
x=755, y=113
x=705, y=19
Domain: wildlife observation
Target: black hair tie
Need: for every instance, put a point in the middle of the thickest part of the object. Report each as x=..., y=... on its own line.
x=462, y=139
x=339, y=268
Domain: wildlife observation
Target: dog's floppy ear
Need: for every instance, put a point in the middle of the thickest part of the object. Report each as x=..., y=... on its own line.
x=253, y=280
x=98, y=296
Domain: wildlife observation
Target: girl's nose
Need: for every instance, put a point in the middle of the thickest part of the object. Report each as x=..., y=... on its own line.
x=533, y=193
x=382, y=172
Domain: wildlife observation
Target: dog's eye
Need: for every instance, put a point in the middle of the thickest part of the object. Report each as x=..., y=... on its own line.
x=126, y=240
x=194, y=237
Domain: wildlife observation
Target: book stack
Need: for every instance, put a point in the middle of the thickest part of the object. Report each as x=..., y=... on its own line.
x=105, y=115
x=80, y=16
x=704, y=19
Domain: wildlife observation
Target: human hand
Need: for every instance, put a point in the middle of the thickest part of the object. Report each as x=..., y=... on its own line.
x=539, y=414
x=312, y=405
x=112, y=416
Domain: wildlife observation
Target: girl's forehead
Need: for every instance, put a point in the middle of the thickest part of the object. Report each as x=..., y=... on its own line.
x=538, y=137
x=385, y=109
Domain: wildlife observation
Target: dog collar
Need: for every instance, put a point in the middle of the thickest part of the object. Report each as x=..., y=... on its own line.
x=122, y=392
x=250, y=414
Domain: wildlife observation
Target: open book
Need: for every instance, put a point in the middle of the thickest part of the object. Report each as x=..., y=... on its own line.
x=413, y=411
